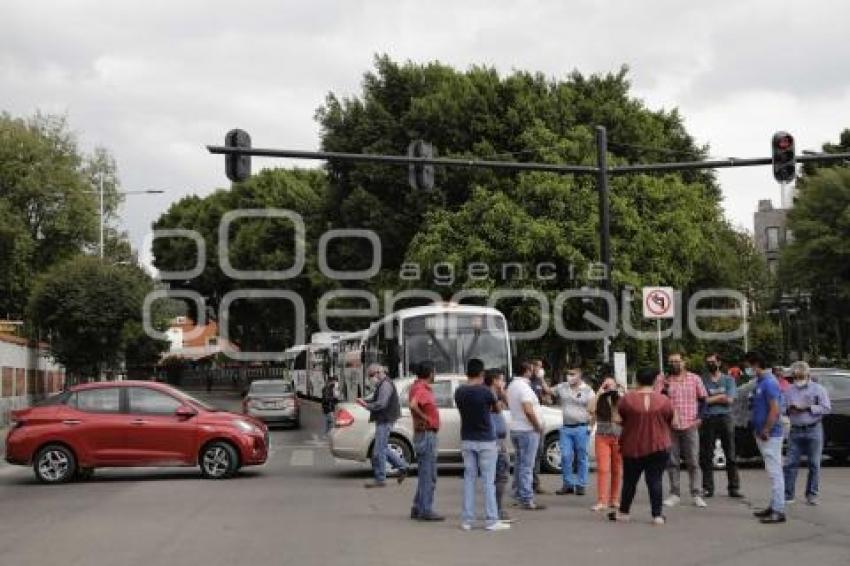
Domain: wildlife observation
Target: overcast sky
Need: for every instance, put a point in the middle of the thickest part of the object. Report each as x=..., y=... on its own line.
x=155, y=81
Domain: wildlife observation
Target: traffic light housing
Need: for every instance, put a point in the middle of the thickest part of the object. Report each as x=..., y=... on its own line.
x=784, y=158
x=237, y=167
x=421, y=177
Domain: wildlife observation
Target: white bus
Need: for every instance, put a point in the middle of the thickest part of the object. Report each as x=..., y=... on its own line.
x=447, y=334
x=349, y=367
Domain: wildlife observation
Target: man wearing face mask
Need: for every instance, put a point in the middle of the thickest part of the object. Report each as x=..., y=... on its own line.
x=575, y=397
x=765, y=423
x=807, y=403
x=686, y=392
x=385, y=410
x=717, y=424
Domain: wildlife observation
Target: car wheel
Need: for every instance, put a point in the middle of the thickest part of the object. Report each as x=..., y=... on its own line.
x=551, y=463
x=219, y=461
x=55, y=464
x=401, y=448
x=719, y=457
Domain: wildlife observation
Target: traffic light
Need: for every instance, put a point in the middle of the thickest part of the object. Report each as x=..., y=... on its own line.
x=237, y=167
x=421, y=177
x=784, y=160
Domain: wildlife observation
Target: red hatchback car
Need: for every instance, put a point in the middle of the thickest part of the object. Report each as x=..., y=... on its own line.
x=131, y=423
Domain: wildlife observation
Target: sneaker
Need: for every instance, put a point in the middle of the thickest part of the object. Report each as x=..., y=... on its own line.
x=532, y=506
x=540, y=491
x=659, y=521
x=619, y=517
x=566, y=490
x=789, y=500
x=763, y=513
x=505, y=518
x=699, y=501
x=579, y=490
x=599, y=507
x=374, y=484
x=431, y=517
x=707, y=493
x=812, y=500
x=735, y=494
x=466, y=526
x=773, y=518
x=672, y=501
x=497, y=526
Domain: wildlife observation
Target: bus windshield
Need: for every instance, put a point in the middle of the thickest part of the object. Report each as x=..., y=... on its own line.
x=450, y=340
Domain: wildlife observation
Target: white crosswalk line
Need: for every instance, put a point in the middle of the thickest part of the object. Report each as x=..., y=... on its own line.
x=301, y=458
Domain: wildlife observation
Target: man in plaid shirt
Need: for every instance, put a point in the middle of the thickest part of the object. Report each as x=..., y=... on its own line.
x=687, y=393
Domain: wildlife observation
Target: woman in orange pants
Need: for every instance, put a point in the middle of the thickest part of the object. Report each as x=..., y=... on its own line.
x=609, y=463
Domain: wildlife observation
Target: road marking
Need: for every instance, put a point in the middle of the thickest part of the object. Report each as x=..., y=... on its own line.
x=301, y=458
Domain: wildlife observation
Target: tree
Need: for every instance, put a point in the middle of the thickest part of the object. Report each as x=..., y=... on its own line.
x=91, y=313
x=818, y=258
x=254, y=244
x=48, y=210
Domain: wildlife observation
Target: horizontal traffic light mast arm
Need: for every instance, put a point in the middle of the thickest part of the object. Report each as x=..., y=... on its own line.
x=517, y=166
x=403, y=159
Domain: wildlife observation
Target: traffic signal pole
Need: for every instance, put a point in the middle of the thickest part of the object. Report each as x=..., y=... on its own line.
x=602, y=172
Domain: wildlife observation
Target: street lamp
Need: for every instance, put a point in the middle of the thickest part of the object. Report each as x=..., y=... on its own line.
x=100, y=196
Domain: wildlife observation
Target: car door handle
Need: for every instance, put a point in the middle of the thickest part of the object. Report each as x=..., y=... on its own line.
x=138, y=422
x=71, y=421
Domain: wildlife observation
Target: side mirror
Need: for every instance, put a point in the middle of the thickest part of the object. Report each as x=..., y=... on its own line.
x=185, y=412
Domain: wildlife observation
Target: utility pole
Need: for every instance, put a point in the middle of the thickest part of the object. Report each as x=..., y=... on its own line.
x=101, y=214
x=604, y=223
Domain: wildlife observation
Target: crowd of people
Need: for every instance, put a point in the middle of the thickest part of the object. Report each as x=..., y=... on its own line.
x=667, y=420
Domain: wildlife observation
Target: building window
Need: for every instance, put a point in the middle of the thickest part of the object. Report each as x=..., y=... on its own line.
x=772, y=238
x=789, y=236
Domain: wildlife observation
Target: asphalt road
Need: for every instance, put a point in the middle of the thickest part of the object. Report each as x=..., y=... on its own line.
x=305, y=508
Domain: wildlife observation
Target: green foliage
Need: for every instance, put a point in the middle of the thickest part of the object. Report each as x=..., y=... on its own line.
x=48, y=212
x=91, y=311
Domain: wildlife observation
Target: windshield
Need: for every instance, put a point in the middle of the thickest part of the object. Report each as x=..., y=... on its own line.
x=270, y=388
x=450, y=340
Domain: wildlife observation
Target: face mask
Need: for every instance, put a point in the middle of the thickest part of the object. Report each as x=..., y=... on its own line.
x=712, y=366
x=801, y=382
x=676, y=367
x=539, y=373
x=749, y=372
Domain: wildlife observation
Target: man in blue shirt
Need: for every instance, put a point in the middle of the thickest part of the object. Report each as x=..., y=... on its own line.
x=717, y=424
x=807, y=403
x=764, y=420
x=475, y=403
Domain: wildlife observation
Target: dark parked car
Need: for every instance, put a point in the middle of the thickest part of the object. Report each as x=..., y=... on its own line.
x=836, y=424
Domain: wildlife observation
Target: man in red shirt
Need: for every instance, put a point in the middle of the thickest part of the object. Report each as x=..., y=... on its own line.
x=426, y=424
x=686, y=392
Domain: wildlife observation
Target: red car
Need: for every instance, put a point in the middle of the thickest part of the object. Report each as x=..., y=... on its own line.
x=131, y=423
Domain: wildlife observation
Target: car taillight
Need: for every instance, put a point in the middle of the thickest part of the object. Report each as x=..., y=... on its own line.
x=343, y=418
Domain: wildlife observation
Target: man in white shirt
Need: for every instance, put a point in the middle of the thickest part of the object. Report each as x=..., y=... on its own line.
x=526, y=431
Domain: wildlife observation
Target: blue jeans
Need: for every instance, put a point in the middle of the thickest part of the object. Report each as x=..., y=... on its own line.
x=808, y=441
x=380, y=453
x=425, y=445
x=329, y=422
x=771, y=453
x=525, y=446
x=479, y=458
x=573, y=441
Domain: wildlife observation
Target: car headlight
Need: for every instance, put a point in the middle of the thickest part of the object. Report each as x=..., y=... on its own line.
x=245, y=426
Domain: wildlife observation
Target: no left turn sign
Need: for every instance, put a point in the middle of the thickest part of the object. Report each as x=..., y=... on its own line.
x=658, y=302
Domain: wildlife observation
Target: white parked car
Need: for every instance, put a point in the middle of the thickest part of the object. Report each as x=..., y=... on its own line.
x=353, y=434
